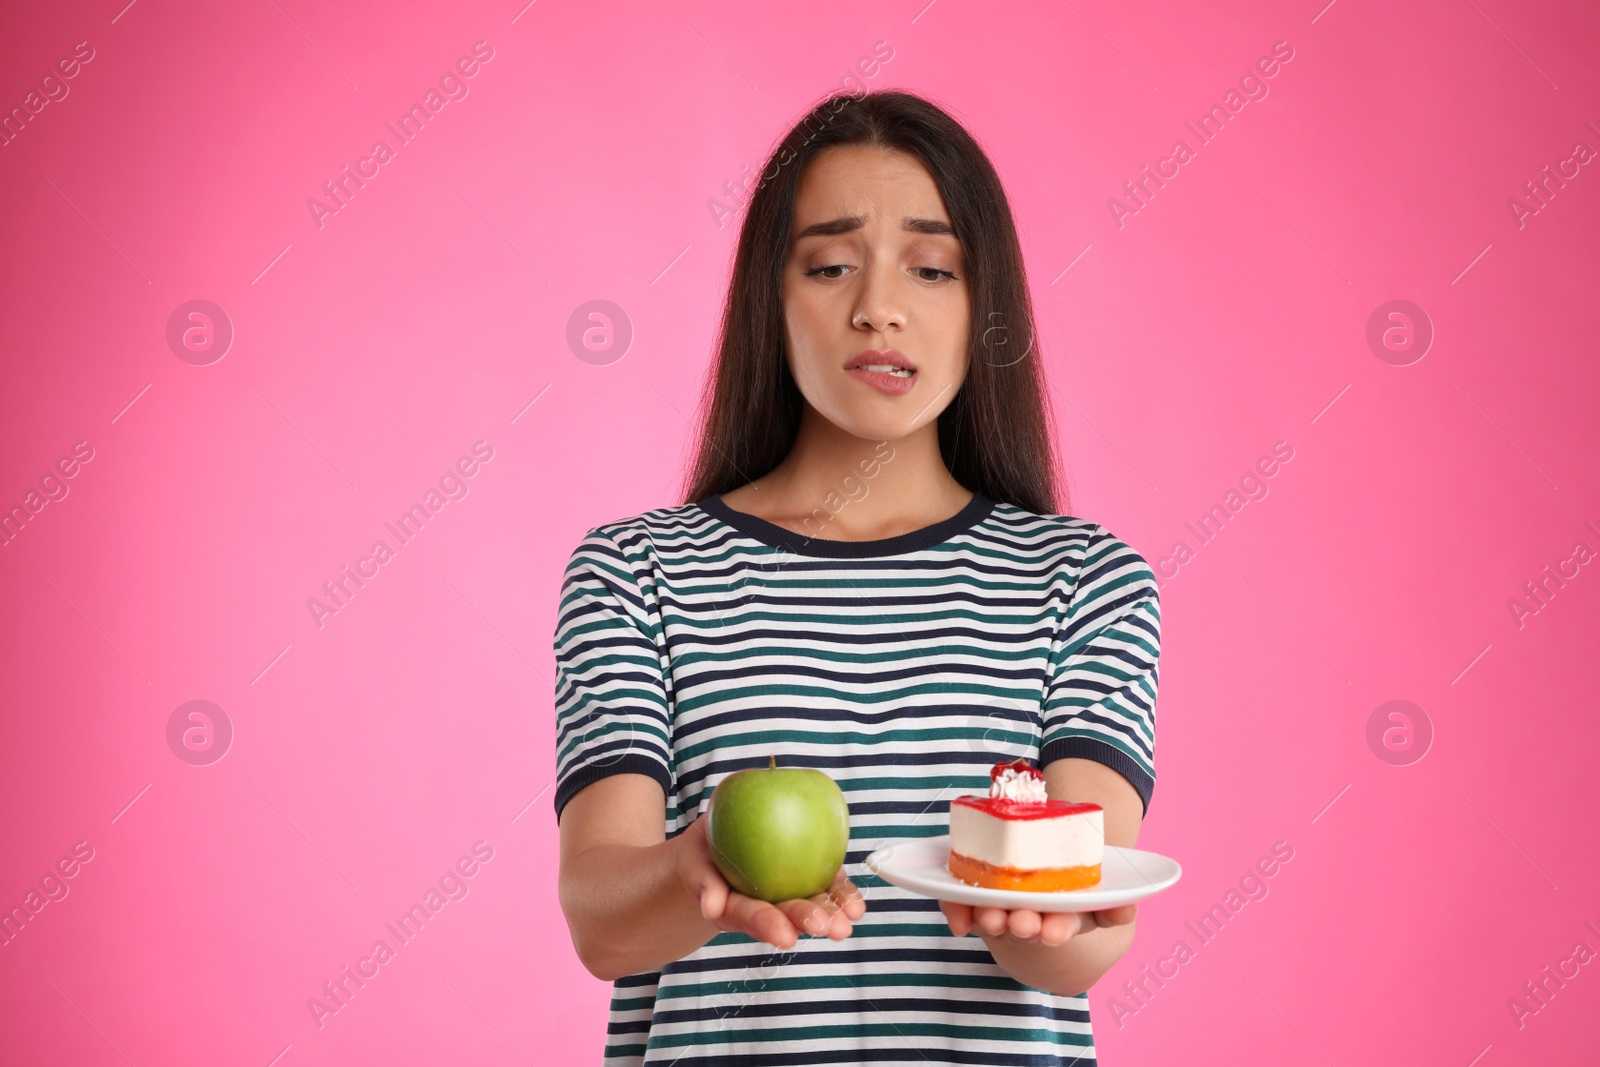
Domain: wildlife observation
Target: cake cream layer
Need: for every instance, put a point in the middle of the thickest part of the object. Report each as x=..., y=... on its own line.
x=1070, y=840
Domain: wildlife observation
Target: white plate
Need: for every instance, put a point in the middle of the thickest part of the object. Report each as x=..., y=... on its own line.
x=922, y=865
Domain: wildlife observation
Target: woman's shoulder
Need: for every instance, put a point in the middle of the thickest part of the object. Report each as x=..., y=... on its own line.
x=1065, y=529
x=1073, y=542
x=673, y=523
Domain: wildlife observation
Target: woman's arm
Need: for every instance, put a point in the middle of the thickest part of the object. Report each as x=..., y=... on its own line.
x=1085, y=946
x=625, y=905
x=635, y=900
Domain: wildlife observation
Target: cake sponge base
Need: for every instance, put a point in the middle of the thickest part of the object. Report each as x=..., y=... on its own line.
x=1042, y=880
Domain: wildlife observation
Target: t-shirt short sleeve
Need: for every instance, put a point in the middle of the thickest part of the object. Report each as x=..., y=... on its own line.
x=612, y=702
x=1101, y=697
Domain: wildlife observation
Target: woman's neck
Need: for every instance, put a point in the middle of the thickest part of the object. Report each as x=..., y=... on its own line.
x=840, y=487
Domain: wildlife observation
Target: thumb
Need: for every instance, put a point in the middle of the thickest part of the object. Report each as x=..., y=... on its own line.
x=713, y=897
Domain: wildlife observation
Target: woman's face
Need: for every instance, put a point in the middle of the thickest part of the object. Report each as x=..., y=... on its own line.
x=873, y=265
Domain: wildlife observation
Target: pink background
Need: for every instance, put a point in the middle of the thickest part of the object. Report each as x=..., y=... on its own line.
x=374, y=750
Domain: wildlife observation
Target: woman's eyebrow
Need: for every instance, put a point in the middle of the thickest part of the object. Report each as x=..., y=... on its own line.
x=846, y=223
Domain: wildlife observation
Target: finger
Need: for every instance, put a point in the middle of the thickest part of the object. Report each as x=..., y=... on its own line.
x=807, y=914
x=838, y=925
x=1117, y=916
x=761, y=920
x=714, y=895
x=848, y=896
x=1057, y=928
x=991, y=921
x=958, y=915
x=714, y=892
x=826, y=901
x=700, y=872
x=829, y=918
x=1023, y=924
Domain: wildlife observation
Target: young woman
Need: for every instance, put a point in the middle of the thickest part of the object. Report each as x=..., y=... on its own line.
x=868, y=577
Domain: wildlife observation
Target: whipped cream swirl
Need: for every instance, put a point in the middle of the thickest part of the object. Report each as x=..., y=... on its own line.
x=1010, y=784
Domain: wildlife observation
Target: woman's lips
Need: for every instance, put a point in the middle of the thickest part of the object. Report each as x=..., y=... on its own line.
x=883, y=381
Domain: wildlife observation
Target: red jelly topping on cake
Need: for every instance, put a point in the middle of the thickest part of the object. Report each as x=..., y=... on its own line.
x=1017, y=791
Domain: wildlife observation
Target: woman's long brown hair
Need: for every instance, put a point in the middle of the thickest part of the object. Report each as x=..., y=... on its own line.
x=995, y=435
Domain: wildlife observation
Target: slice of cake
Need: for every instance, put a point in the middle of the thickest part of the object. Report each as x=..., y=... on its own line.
x=1018, y=838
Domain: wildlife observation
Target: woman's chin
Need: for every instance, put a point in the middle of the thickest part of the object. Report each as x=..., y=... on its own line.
x=879, y=417
x=878, y=426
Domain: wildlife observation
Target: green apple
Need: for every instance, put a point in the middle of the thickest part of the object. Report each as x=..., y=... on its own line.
x=778, y=833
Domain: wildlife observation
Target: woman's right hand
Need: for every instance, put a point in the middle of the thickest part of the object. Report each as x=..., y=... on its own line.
x=830, y=912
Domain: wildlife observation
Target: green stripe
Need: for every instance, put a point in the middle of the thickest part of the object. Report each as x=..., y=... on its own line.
x=826, y=736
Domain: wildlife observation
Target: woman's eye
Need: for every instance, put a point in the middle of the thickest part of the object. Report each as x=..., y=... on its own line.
x=928, y=274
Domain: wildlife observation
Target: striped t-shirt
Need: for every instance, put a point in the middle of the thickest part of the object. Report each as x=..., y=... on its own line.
x=694, y=641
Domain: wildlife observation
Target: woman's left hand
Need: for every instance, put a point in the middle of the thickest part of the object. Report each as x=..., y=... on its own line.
x=1025, y=924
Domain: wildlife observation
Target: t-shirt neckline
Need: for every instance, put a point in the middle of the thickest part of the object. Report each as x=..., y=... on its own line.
x=770, y=533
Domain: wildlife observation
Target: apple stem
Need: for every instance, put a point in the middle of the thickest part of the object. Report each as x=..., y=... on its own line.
x=772, y=762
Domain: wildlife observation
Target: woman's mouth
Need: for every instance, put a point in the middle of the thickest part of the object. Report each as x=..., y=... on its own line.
x=886, y=370
x=886, y=378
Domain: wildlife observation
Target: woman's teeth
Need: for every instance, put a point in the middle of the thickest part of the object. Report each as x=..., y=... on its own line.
x=898, y=372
